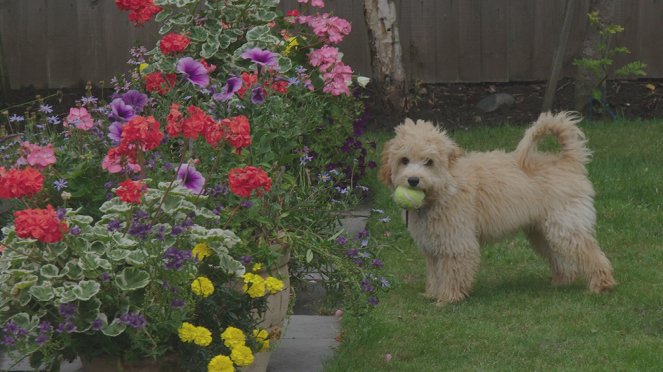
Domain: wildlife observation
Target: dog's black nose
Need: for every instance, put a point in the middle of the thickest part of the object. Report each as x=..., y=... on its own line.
x=413, y=181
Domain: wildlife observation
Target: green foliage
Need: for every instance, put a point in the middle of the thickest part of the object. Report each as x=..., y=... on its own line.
x=599, y=67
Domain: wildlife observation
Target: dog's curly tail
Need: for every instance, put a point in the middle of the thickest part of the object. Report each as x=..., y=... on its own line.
x=563, y=127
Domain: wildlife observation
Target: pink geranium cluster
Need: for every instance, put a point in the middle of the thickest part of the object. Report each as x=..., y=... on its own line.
x=80, y=118
x=36, y=156
x=315, y=3
x=329, y=28
x=336, y=75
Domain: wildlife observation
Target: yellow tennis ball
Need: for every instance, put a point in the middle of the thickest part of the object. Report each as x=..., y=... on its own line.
x=408, y=198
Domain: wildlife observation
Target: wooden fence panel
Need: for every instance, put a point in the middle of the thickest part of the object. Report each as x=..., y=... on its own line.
x=56, y=43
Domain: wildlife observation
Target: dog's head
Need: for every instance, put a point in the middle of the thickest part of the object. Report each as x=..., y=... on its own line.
x=419, y=157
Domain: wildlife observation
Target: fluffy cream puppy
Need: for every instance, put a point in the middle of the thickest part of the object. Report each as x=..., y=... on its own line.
x=478, y=197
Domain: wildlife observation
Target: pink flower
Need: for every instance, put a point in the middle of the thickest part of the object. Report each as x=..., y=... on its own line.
x=37, y=156
x=80, y=118
x=324, y=58
x=331, y=29
x=315, y=3
x=338, y=79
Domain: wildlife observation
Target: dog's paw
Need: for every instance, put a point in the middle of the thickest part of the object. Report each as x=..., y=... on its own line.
x=427, y=296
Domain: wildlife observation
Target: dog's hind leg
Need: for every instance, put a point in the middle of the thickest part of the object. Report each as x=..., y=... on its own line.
x=575, y=243
x=564, y=271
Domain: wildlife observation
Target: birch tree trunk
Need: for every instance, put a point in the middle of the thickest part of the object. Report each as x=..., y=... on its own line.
x=585, y=81
x=386, y=53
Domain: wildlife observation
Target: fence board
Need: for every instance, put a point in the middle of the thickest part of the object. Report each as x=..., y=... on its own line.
x=494, y=29
x=60, y=43
x=469, y=40
x=446, y=47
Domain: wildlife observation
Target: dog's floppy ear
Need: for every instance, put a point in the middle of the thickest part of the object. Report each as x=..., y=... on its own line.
x=384, y=172
x=456, y=152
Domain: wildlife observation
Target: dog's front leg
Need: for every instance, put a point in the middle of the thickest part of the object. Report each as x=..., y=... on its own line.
x=453, y=273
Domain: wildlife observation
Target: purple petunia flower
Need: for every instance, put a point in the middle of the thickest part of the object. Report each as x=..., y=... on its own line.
x=67, y=310
x=135, y=99
x=42, y=339
x=193, y=71
x=120, y=111
x=97, y=324
x=366, y=286
x=258, y=95
x=66, y=327
x=174, y=258
x=7, y=340
x=233, y=85
x=261, y=57
x=190, y=178
x=246, y=260
x=177, y=304
x=115, y=132
x=176, y=230
x=105, y=277
x=114, y=225
x=75, y=230
x=341, y=240
x=135, y=321
x=140, y=230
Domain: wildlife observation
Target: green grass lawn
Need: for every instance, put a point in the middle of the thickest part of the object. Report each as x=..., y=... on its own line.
x=514, y=319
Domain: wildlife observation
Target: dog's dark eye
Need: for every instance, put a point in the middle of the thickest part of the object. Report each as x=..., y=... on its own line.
x=429, y=163
x=405, y=161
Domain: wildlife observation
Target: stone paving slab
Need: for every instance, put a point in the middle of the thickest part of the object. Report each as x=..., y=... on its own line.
x=308, y=341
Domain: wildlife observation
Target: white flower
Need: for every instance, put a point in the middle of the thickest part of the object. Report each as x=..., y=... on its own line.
x=363, y=81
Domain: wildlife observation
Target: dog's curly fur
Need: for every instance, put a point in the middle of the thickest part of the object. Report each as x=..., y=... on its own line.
x=476, y=198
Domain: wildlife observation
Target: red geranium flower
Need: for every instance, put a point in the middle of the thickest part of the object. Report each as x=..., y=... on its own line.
x=196, y=123
x=249, y=80
x=142, y=131
x=243, y=181
x=173, y=43
x=280, y=86
x=214, y=133
x=140, y=11
x=41, y=224
x=130, y=191
x=174, y=119
x=238, y=131
x=155, y=82
x=17, y=183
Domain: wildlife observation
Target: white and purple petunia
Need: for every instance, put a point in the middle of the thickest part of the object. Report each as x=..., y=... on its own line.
x=233, y=85
x=261, y=57
x=194, y=71
x=190, y=178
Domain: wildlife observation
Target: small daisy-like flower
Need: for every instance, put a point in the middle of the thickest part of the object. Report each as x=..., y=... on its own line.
x=16, y=118
x=46, y=109
x=53, y=119
x=60, y=184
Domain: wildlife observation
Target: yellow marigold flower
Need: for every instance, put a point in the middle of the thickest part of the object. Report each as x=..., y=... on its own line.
x=242, y=356
x=200, y=251
x=142, y=67
x=233, y=337
x=254, y=285
x=274, y=285
x=202, y=336
x=187, y=332
x=262, y=337
x=220, y=363
x=202, y=286
x=257, y=267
